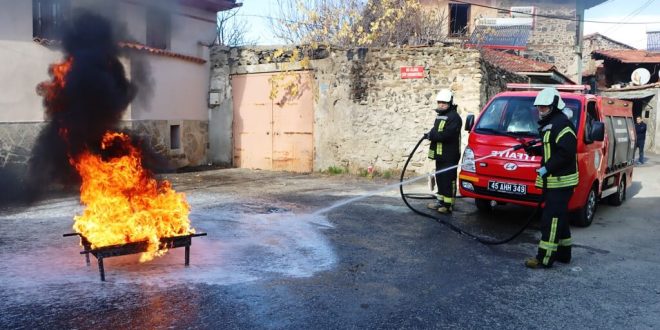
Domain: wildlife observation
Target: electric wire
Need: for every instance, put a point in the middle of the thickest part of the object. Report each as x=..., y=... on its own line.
x=630, y=16
x=549, y=16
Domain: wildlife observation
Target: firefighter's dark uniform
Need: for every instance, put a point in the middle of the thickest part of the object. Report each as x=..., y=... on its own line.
x=445, y=147
x=559, y=156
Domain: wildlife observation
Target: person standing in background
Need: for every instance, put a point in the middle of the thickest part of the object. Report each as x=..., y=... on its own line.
x=640, y=129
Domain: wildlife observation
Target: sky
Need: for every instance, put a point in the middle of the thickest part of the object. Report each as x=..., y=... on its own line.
x=610, y=11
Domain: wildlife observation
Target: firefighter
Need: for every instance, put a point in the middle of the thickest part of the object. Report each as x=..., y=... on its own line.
x=559, y=174
x=640, y=130
x=445, y=137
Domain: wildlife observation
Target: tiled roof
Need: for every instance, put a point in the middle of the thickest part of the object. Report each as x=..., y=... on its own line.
x=627, y=56
x=161, y=52
x=134, y=46
x=515, y=63
x=598, y=35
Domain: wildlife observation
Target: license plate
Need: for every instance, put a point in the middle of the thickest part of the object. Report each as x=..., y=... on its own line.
x=507, y=188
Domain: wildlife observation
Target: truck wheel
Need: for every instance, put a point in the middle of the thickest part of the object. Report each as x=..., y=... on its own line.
x=620, y=196
x=483, y=205
x=586, y=214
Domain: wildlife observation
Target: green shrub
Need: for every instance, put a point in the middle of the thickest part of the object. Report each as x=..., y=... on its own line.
x=336, y=170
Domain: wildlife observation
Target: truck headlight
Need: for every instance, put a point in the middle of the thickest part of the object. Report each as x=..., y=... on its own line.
x=467, y=185
x=468, y=164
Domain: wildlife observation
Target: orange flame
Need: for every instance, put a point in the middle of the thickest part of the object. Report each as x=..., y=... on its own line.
x=52, y=90
x=124, y=203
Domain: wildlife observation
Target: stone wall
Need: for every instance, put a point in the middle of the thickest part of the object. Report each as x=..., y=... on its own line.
x=365, y=114
x=597, y=42
x=193, y=140
x=552, y=40
x=17, y=140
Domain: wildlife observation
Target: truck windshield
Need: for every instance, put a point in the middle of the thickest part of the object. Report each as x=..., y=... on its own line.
x=517, y=116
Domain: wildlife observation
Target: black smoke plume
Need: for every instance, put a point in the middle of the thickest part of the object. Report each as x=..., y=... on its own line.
x=92, y=101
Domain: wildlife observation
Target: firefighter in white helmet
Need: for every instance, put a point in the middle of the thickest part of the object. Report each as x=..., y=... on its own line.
x=445, y=137
x=558, y=175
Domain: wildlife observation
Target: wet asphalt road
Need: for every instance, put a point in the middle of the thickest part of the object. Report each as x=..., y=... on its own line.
x=268, y=263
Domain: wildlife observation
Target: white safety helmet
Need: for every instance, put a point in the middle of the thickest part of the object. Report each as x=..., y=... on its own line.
x=444, y=95
x=547, y=97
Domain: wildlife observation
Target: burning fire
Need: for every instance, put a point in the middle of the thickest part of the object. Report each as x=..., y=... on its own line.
x=124, y=203
x=50, y=90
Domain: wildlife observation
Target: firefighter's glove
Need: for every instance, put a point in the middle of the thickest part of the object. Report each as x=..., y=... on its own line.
x=529, y=148
x=426, y=136
x=542, y=171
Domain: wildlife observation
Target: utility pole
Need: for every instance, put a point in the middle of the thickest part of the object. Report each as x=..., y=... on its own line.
x=579, y=39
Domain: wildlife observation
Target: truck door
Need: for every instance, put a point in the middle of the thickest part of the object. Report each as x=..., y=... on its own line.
x=591, y=155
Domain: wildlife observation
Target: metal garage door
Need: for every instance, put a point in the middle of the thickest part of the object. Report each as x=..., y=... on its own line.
x=273, y=134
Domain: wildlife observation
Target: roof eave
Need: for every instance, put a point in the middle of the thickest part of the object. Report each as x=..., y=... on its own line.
x=553, y=75
x=592, y=3
x=211, y=5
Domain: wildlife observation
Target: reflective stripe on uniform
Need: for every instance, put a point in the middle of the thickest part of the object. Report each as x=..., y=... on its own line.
x=438, y=146
x=548, y=246
x=546, y=146
x=550, y=243
x=564, y=131
x=566, y=242
x=563, y=181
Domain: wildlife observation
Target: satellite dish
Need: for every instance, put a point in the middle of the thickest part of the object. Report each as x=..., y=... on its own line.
x=640, y=76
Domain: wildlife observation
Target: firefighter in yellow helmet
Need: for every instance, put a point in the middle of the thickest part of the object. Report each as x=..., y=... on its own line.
x=558, y=175
x=445, y=147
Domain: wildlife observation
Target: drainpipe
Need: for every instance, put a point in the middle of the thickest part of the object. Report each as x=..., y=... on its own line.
x=579, y=39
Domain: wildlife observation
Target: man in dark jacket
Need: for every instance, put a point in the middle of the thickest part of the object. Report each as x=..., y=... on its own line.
x=558, y=176
x=640, y=129
x=445, y=147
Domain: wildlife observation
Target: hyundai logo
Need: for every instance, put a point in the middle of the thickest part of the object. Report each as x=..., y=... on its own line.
x=510, y=166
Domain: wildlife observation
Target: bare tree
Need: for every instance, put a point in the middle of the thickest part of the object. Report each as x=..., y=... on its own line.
x=351, y=23
x=232, y=31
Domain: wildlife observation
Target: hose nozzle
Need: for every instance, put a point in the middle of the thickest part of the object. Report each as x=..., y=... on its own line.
x=527, y=144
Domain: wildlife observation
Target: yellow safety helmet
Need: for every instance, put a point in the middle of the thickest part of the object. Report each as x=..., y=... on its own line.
x=547, y=97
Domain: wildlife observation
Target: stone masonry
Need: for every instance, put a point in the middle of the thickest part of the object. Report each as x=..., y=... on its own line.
x=365, y=114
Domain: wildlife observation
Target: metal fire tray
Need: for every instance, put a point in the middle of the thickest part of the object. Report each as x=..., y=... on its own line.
x=132, y=248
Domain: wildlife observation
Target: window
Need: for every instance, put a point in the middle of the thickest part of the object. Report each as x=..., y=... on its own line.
x=459, y=15
x=158, y=28
x=48, y=18
x=516, y=116
x=592, y=115
x=175, y=137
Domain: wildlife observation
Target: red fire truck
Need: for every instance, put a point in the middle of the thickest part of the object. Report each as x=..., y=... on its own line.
x=606, y=140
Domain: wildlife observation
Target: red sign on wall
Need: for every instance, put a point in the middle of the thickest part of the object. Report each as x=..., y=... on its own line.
x=412, y=72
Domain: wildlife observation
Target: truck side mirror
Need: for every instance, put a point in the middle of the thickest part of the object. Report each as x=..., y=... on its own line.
x=469, y=122
x=597, y=131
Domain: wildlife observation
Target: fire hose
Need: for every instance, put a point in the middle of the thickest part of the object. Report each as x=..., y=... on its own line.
x=453, y=227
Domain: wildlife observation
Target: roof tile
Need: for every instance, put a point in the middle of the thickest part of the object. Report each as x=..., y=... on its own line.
x=628, y=55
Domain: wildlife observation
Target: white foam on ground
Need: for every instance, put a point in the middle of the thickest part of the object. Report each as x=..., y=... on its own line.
x=239, y=248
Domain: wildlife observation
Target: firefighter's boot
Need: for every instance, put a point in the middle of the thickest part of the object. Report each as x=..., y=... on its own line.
x=445, y=208
x=434, y=205
x=534, y=263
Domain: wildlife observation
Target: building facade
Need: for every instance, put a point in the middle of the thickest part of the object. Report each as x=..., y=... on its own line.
x=165, y=52
x=552, y=33
x=366, y=107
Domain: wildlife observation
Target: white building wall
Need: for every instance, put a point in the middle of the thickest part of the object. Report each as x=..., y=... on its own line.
x=25, y=65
